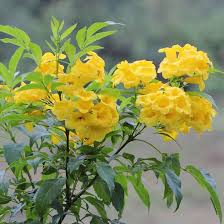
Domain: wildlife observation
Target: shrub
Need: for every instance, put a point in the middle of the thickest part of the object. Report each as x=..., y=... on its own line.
x=74, y=119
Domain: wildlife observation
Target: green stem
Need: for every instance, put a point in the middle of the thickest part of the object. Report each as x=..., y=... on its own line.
x=76, y=197
x=66, y=167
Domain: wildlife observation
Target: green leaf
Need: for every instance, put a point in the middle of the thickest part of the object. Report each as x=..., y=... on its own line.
x=34, y=77
x=31, y=86
x=98, y=205
x=5, y=74
x=175, y=185
x=74, y=164
x=99, y=36
x=129, y=157
x=86, y=50
x=4, y=199
x=51, y=47
x=36, y=52
x=111, y=92
x=13, y=41
x=47, y=193
x=96, y=220
x=13, y=63
x=13, y=152
x=81, y=37
x=122, y=180
x=107, y=174
x=115, y=139
x=70, y=52
x=140, y=190
x=102, y=191
x=96, y=27
x=19, y=34
x=206, y=183
x=68, y=31
x=118, y=198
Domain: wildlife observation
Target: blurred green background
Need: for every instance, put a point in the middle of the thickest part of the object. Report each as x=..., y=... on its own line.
x=149, y=25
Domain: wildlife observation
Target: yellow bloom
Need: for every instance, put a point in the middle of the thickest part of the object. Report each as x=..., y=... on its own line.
x=49, y=65
x=185, y=61
x=85, y=95
x=92, y=69
x=133, y=74
x=167, y=108
x=30, y=95
x=84, y=106
x=108, y=100
x=95, y=124
x=63, y=109
x=202, y=113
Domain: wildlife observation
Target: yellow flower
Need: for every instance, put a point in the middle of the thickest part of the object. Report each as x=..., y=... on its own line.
x=202, y=113
x=49, y=65
x=63, y=109
x=108, y=100
x=84, y=106
x=163, y=104
x=133, y=74
x=92, y=69
x=104, y=116
x=77, y=120
x=185, y=61
x=85, y=95
x=95, y=124
x=30, y=96
x=165, y=108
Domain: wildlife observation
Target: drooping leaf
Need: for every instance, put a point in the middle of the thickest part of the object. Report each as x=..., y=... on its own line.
x=206, y=183
x=13, y=152
x=98, y=205
x=118, y=198
x=122, y=180
x=140, y=190
x=107, y=174
x=102, y=191
x=47, y=193
x=175, y=185
x=74, y=164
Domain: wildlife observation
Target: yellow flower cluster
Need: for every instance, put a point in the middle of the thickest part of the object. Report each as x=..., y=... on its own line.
x=92, y=116
x=82, y=73
x=49, y=65
x=133, y=74
x=91, y=121
x=185, y=61
x=172, y=110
